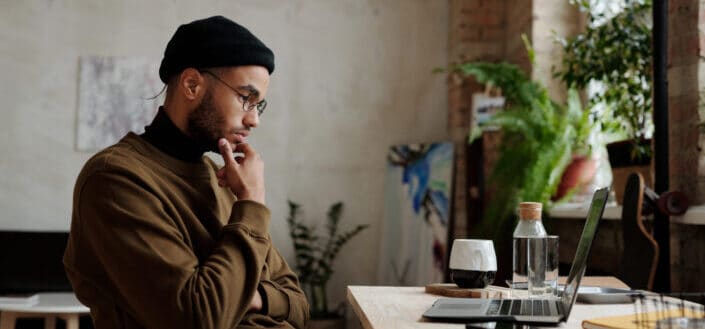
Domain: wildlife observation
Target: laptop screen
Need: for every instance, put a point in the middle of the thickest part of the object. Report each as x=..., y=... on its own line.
x=597, y=207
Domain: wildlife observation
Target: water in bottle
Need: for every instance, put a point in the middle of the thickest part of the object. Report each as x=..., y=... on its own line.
x=529, y=226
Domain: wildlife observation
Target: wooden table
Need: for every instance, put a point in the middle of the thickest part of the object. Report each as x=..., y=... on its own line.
x=62, y=305
x=380, y=307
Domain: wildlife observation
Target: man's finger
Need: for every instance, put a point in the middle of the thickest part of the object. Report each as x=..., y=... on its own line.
x=226, y=151
x=220, y=173
x=245, y=148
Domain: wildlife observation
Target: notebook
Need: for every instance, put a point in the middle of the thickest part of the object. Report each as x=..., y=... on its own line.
x=639, y=321
x=532, y=311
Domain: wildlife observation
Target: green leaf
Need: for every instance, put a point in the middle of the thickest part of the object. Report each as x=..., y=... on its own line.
x=315, y=255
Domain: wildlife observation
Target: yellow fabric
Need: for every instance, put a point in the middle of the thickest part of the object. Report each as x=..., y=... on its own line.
x=156, y=243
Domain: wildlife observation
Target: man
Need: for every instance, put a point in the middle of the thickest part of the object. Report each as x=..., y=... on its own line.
x=162, y=238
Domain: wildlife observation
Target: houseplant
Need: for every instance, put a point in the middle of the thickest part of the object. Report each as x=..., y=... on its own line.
x=613, y=55
x=315, y=254
x=539, y=138
x=612, y=58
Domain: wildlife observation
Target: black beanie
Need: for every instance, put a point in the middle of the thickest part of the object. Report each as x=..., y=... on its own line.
x=212, y=42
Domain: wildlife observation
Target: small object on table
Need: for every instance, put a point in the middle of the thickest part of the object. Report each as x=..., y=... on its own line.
x=452, y=290
x=602, y=295
x=19, y=299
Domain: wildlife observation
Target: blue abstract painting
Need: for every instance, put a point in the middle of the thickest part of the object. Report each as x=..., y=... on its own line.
x=417, y=214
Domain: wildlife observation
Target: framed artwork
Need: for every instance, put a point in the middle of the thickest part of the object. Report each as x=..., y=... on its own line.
x=484, y=107
x=417, y=214
x=116, y=95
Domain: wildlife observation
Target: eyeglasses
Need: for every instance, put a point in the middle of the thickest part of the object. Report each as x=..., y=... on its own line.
x=247, y=106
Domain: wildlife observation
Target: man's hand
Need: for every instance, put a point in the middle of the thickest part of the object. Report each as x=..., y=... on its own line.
x=244, y=176
x=255, y=303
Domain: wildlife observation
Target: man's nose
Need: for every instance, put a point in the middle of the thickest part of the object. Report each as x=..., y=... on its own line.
x=251, y=119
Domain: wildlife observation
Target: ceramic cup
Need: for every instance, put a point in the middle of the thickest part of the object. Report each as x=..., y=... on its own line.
x=473, y=263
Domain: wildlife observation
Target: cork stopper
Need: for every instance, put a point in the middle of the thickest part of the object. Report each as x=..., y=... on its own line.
x=530, y=210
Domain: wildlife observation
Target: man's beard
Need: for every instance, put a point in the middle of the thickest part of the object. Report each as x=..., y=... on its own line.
x=205, y=124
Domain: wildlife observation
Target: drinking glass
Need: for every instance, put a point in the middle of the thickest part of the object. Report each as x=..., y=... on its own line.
x=542, y=264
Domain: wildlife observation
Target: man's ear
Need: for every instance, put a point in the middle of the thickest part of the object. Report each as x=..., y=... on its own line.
x=191, y=83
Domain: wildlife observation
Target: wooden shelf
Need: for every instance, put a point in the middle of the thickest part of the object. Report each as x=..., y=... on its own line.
x=694, y=216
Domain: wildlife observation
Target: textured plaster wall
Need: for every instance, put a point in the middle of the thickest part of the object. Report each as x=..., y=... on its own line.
x=352, y=78
x=552, y=18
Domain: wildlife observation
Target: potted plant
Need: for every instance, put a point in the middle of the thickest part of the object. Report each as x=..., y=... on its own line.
x=539, y=140
x=314, y=261
x=613, y=55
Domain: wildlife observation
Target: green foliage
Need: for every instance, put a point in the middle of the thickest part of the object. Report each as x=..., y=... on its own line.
x=315, y=254
x=616, y=52
x=539, y=138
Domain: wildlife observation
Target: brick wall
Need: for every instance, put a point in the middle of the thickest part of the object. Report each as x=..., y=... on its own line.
x=519, y=21
x=477, y=32
x=686, y=104
x=685, y=75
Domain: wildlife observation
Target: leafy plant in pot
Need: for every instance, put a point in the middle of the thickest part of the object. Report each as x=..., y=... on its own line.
x=539, y=139
x=314, y=258
x=613, y=55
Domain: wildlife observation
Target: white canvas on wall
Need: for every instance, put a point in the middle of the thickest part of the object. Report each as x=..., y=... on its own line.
x=115, y=97
x=417, y=207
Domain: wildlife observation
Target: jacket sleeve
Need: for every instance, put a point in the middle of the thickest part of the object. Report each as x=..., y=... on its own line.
x=285, y=299
x=128, y=244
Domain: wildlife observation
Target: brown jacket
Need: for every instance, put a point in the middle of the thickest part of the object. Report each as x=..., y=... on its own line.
x=156, y=243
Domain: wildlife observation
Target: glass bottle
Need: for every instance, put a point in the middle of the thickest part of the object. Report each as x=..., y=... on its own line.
x=529, y=225
x=529, y=220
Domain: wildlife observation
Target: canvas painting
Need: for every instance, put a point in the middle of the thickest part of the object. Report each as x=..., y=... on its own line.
x=115, y=97
x=484, y=107
x=417, y=214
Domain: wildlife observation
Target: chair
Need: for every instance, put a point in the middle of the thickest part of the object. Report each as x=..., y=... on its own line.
x=641, y=252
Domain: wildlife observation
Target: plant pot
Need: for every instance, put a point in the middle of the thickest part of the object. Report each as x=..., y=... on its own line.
x=326, y=323
x=576, y=177
x=623, y=163
x=622, y=154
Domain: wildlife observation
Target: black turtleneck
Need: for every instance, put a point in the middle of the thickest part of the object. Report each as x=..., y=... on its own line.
x=164, y=135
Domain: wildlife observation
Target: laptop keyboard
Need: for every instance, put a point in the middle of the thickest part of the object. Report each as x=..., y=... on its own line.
x=523, y=307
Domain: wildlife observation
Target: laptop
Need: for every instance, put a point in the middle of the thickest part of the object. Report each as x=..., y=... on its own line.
x=546, y=311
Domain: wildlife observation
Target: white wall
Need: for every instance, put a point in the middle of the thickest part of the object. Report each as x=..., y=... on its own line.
x=352, y=78
x=552, y=18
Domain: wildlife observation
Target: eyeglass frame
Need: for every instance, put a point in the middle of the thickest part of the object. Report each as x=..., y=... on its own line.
x=260, y=106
